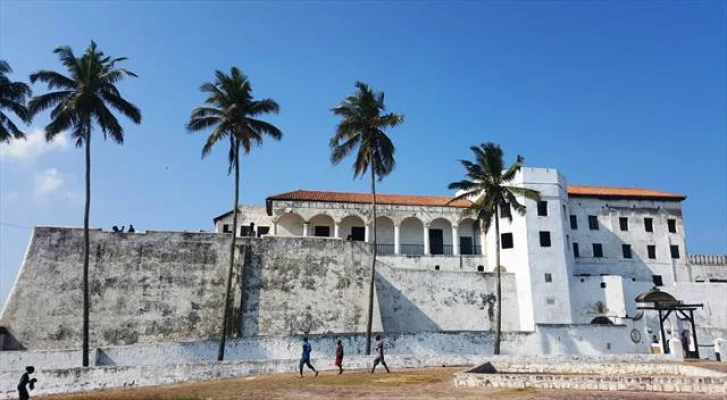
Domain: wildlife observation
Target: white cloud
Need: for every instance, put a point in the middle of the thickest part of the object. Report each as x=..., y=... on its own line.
x=51, y=185
x=33, y=146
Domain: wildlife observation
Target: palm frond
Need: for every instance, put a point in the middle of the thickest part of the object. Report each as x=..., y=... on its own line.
x=45, y=101
x=124, y=107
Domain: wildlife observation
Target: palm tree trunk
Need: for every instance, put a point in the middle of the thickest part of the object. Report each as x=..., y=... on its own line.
x=228, y=292
x=498, y=290
x=86, y=249
x=373, y=260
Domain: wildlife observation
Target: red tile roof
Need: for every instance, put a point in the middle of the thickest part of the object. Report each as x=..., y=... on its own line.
x=618, y=192
x=441, y=201
x=365, y=198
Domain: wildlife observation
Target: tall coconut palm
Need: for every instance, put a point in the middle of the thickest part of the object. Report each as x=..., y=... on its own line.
x=85, y=94
x=12, y=97
x=487, y=185
x=231, y=110
x=362, y=125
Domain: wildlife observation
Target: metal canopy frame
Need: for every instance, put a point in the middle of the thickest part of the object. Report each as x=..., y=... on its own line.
x=679, y=308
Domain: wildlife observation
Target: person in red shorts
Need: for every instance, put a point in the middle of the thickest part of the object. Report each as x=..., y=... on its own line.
x=339, y=356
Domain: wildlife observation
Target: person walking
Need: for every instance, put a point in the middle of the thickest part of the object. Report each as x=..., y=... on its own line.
x=26, y=382
x=339, y=356
x=379, y=354
x=305, y=357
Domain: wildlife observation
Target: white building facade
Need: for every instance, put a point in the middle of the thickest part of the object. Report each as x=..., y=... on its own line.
x=580, y=255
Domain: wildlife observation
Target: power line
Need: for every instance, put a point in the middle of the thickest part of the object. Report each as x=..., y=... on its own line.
x=14, y=225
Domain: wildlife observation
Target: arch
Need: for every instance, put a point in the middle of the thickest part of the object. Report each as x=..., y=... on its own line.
x=654, y=296
x=352, y=225
x=440, y=236
x=385, y=235
x=411, y=236
x=290, y=224
x=601, y=321
x=321, y=225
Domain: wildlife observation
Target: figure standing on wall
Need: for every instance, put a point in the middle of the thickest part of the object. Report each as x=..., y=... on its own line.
x=379, y=354
x=339, y=356
x=251, y=232
x=305, y=357
x=26, y=383
x=131, y=228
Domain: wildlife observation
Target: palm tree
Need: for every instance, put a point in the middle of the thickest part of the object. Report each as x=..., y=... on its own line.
x=487, y=184
x=82, y=102
x=362, y=124
x=12, y=97
x=232, y=111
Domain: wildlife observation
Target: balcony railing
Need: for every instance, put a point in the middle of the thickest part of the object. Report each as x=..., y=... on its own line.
x=387, y=249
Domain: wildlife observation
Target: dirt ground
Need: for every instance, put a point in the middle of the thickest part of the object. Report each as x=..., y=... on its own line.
x=428, y=383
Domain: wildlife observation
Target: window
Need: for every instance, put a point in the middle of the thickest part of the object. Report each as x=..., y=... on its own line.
x=244, y=229
x=505, y=211
x=573, y=222
x=322, y=231
x=543, y=208
x=593, y=222
x=597, y=250
x=550, y=301
x=657, y=280
x=603, y=285
x=576, y=254
x=651, y=249
x=507, y=242
x=674, y=251
x=263, y=230
x=649, y=224
x=480, y=268
x=226, y=228
x=626, y=248
x=544, y=239
x=672, y=224
x=548, y=278
x=358, y=233
x=623, y=222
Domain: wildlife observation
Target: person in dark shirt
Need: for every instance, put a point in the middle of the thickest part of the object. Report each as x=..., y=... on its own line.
x=305, y=357
x=131, y=228
x=379, y=354
x=339, y=356
x=26, y=382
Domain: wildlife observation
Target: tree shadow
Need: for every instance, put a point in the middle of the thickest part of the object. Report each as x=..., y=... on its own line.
x=398, y=312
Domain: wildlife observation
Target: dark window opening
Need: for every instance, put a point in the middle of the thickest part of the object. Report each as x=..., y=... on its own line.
x=651, y=249
x=358, y=233
x=244, y=230
x=480, y=268
x=623, y=222
x=576, y=253
x=672, y=224
x=465, y=245
x=226, y=228
x=543, y=208
x=597, y=250
x=657, y=280
x=436, y=241
x=649, y=224
x=573, y=222
x=544, y=239
x=263, y=230
x=603, y=285
x=507, y=241
x=322, y=231
x=674, y=251
x=505, y=211
x=548, y=278
x=626, y=248
x=593, y=222
x=601, y=321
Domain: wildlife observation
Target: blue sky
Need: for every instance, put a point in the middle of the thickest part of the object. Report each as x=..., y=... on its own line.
x=609, y=93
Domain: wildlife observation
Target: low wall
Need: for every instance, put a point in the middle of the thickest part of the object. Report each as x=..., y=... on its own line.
x=467, y=263
x=547, y=341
